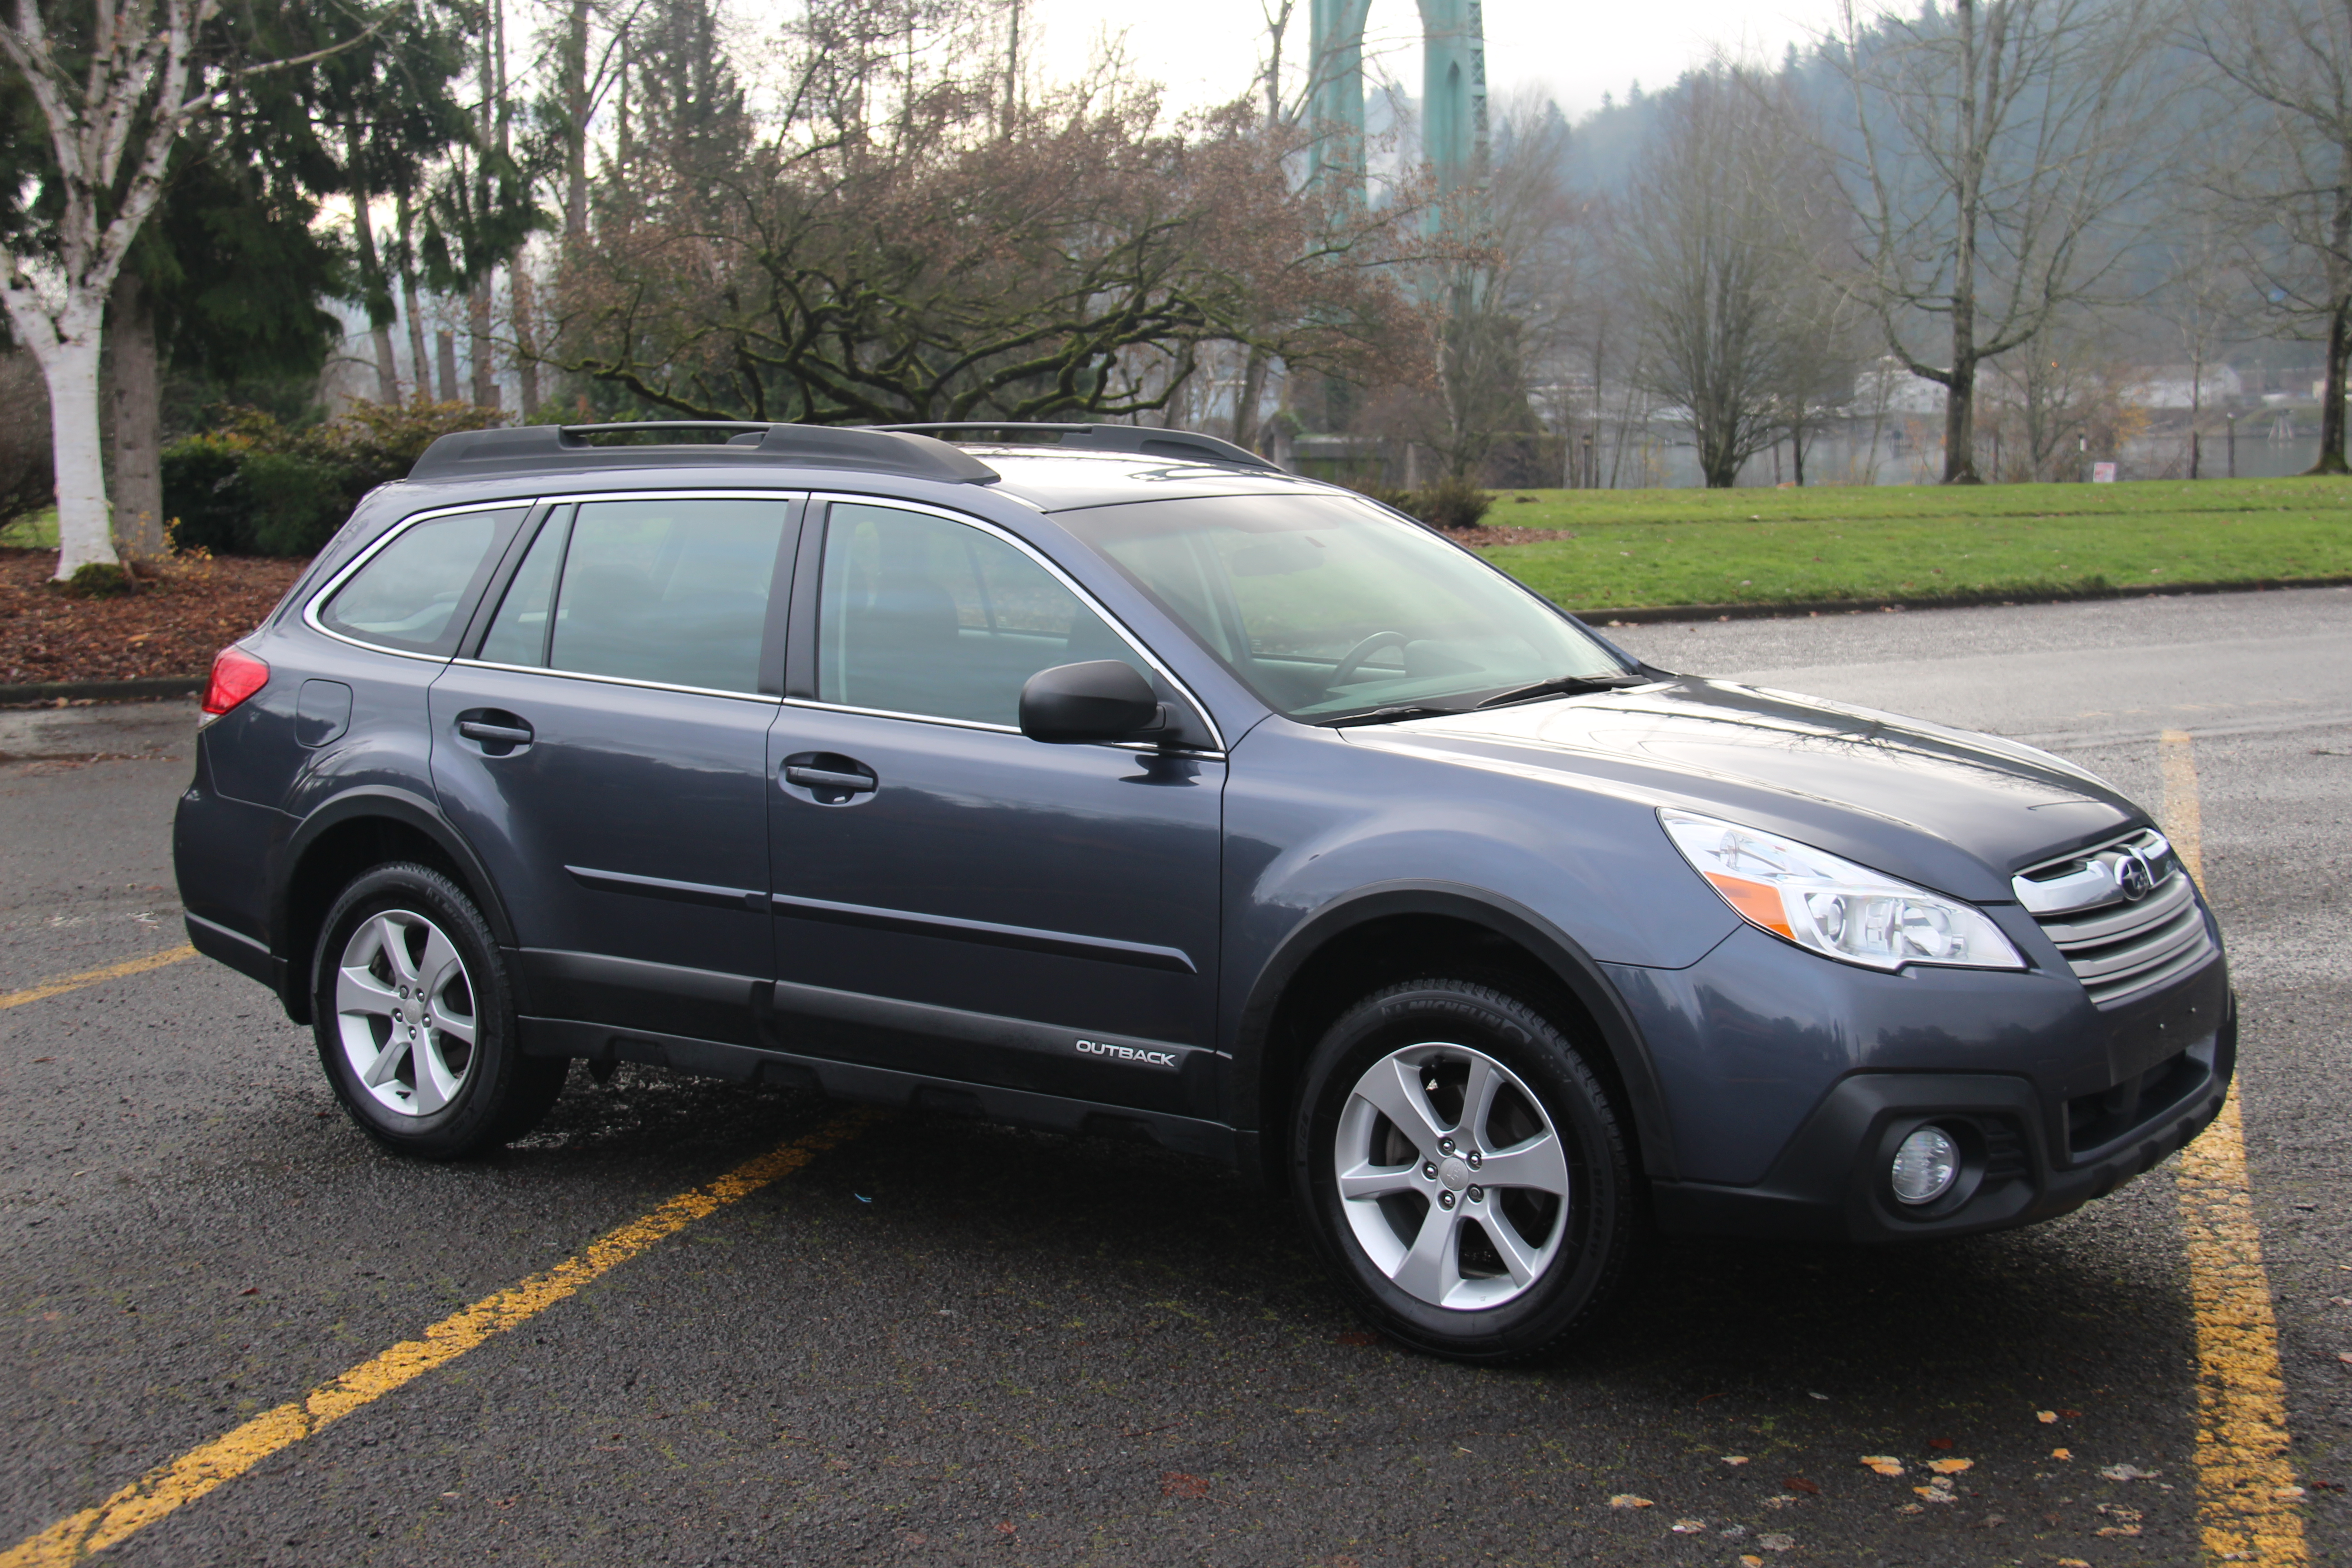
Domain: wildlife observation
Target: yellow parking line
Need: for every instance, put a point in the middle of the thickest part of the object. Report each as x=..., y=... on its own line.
x=200, y=1469
x=2245, y=1487
x=65, y=983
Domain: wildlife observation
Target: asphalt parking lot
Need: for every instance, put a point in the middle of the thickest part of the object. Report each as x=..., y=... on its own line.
x=938, y=1343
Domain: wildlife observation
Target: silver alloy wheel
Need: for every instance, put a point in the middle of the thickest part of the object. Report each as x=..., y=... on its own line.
x=1452, y=1176
x=404, y=1010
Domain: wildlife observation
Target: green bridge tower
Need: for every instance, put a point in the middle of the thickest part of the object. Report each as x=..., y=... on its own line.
x=1453, y=92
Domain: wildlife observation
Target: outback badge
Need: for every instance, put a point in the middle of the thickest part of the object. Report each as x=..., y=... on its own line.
x=1127, y=1054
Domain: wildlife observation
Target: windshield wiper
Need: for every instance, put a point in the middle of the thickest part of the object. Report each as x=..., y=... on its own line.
x=1564, y=685
x=1389, y=716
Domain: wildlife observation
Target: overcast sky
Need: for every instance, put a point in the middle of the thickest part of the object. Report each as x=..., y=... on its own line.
x=1206, y=50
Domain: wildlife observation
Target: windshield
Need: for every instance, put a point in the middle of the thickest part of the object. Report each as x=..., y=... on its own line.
x=1328, y=606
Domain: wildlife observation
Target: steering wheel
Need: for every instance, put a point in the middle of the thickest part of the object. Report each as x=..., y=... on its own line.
x=1358, y=654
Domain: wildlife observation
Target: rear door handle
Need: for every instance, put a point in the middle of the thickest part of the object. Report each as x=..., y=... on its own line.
x=827, y=779
x=498, y=734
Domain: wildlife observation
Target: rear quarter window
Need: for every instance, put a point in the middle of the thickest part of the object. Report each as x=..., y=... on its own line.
x=410, y=594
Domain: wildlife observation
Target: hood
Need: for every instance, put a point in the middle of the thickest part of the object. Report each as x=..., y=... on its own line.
x=1954, y=811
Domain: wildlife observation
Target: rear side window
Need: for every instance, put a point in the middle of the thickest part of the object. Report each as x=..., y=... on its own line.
x=408, y=595
x=670, y=591
x=519, y=634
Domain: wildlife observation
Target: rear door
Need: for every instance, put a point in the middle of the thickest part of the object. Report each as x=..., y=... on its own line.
x=604, y=750
x=952, y=898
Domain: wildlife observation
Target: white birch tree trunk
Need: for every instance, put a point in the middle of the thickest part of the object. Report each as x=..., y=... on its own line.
x=84, y=521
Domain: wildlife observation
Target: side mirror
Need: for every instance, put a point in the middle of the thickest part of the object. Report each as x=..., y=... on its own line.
x=1102, y=699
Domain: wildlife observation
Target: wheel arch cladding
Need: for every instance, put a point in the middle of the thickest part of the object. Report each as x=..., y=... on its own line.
x=343, y=838
x=1383, y=935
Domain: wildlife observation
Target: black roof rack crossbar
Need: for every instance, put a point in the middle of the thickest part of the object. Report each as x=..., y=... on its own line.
x=465, y=454
x=1144, y=439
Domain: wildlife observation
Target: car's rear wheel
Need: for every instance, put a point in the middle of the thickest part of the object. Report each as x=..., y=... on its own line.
x=1465, y=1170
x=415, y=1020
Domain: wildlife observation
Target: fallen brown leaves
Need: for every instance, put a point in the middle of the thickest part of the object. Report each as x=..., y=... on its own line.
x=1487, y=535
x=183, y=613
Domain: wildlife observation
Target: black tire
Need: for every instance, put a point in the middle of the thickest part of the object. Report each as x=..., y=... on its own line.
x=1587, y=1238
x=498, y=1094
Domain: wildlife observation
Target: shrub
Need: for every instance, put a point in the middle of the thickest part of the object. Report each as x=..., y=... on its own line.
x=97, y=580
x=298, y=503
x=1450, y=504
x=258, y=486
x=1401, y=499
x=1447, y=505
x=204, y=496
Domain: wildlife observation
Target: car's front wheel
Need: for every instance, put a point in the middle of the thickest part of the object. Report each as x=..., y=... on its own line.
x=1465, y=1170
x=415, y=1022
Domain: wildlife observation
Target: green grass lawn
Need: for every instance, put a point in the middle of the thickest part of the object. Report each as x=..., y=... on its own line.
x=39, y=532
x=1635, y=548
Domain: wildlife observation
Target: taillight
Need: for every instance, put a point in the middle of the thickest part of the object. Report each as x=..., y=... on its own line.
x=236, y=675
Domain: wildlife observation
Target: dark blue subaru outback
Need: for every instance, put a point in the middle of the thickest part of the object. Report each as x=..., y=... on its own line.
x=1093, y=778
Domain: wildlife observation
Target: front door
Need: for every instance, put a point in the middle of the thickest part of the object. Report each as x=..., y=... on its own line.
x=605, y=750
x=951, y=897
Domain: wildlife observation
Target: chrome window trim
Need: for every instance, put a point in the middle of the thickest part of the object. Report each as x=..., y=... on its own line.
x=311, y=606
x=893, y=713
x=614, y=680
x=1148, y=747
x=1118, y=627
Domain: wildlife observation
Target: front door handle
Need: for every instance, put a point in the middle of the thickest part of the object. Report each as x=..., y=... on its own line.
x=830, y=778
x=827, y=779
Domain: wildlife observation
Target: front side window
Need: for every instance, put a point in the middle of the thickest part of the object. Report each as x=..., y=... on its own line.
x=919, y=615
x=671, y=591
x=1325, y=605
x=408, y=595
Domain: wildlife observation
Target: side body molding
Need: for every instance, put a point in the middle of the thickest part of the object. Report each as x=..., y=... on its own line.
x=1567, y=961
x=409, y=809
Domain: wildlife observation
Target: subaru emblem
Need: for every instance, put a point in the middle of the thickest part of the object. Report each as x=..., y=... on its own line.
x=2133, y=876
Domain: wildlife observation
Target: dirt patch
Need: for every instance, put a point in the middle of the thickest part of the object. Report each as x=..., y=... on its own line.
x=183, y=613
x=1486, y=535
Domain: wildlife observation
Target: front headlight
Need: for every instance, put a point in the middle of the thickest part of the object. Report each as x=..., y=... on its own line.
x=1833, y=906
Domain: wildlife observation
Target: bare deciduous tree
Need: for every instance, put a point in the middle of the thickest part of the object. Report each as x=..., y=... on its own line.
x=1716, y=284
x=1503, y=279
x=2288, y=66
x=2206, y=298
x=1991, y=152
x=875, y=243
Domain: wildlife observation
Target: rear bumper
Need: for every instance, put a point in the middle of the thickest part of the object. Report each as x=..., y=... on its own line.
x=1830, y=1182
x=222, y=854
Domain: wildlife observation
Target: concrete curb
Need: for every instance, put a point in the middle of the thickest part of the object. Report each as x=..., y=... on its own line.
x=1647, y=615
x=102, y=690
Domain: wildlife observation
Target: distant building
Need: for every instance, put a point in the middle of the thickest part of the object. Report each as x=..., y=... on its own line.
x=2183, y=386
x=1889, y=387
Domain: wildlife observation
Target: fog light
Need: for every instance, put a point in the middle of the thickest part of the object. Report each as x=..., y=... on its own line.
x=1926, y=1166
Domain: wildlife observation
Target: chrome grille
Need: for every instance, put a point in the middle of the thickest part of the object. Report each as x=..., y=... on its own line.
x=2120, y=946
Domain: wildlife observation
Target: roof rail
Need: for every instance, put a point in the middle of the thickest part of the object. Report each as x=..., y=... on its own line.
x=465, y=454
x=1147, y=441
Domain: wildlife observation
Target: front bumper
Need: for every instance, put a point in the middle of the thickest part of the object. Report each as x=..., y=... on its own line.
x=1830, y=1184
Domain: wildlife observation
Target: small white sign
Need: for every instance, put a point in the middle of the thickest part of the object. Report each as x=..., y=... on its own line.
x=2103, y=473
